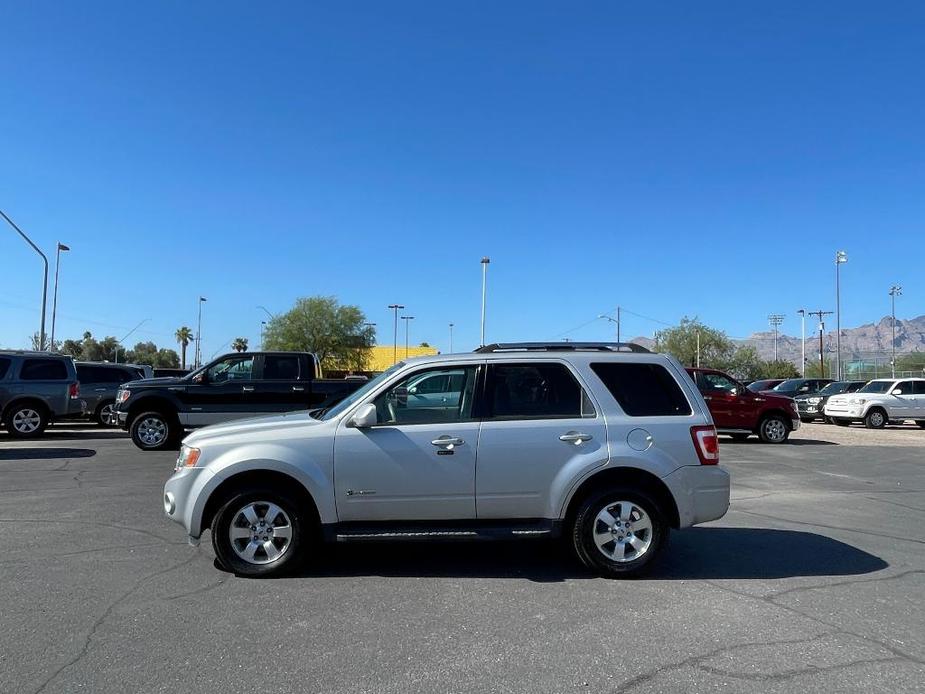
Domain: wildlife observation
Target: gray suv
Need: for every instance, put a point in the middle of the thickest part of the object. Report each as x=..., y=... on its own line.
x=35, y=389
x=607, y=445
x=99, y=383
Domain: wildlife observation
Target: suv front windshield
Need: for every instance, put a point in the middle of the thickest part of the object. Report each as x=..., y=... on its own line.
x=876, y=387
x=360, y=393
x=834, y=389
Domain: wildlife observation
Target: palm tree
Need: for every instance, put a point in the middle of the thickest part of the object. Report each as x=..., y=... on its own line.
x=239, y=344
x=184, y=336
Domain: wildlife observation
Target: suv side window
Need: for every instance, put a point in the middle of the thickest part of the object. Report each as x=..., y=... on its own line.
x=399, y=405
x=535, y=390
x=280, y=367
x=232, y=369
x=905, y=386
x=643, y=390
x=43, y=370
x=918, y=387
x=4, y=366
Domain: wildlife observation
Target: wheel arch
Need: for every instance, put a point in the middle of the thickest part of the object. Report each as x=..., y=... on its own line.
x=624, y=476
x=770, y=412
x=26, y=400
x=152, y=403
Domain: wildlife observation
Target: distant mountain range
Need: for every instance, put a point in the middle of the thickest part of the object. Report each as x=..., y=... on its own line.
x=865, y=341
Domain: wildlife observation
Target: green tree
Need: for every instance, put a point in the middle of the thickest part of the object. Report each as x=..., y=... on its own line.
x=335, y=333
x=681, y=342
x=73, y=348
x=780, y=369
x=239, y=344
x=184, y=336
x=167, y=358
x=744, y=364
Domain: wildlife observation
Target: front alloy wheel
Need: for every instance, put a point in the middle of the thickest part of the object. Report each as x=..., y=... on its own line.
x=152, y=431
x=26, y=422
x=875, y=419
x=774, y=430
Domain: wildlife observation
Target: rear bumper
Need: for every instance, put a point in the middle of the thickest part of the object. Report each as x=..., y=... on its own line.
x=701, y=493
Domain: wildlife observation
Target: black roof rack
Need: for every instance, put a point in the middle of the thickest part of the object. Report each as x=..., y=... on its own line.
x=563, y=347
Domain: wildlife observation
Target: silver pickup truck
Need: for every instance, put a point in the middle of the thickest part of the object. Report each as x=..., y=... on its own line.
x=35, y=389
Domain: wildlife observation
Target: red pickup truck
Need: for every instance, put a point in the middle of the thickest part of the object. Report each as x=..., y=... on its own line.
x=739, y=412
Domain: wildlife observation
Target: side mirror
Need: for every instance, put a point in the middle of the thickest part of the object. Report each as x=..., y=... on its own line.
x=364, y=417
x=897, y=392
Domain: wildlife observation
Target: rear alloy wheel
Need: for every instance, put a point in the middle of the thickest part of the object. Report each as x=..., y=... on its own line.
x=875, y=419
x=152, y=431
x=26, y=421
x=773, y=429
x=259, y=533
x=619, y=532
x=106, y=415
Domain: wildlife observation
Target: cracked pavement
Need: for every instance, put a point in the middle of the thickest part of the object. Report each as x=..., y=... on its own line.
x=813, y=582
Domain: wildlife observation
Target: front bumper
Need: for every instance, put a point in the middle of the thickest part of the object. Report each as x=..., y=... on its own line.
x=181, y=493
x=122, y=418
x=701, y=493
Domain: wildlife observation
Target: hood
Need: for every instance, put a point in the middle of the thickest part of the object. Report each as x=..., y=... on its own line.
x=774, y=396
x=265, y=426
x=159, y=381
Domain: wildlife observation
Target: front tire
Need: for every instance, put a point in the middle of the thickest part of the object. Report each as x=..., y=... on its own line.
x=154, y=431
x=619, y=532
x=104, y=415
x=773, y=429
x=876, y=419
x=26, y=421
x=260, y=533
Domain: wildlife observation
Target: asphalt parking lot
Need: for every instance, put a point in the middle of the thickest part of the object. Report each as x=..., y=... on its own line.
x=814, y=581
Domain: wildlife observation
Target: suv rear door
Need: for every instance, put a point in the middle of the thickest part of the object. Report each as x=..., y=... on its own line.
x=49, y=379
x=918, y=390
x=538, y=419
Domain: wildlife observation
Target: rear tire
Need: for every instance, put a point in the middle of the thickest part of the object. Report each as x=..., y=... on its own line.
x=154, y=431
x=262, y=533
x=773, y=429
x=619, y=532
x=876, y=419
x=26, y=421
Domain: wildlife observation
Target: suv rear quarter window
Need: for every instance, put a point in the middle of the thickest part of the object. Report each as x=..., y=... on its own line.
x=43, y=370
x=535, y=390
x=4, y=366
x=643, y=390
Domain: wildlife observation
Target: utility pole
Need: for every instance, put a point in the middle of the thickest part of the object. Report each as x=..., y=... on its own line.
x=802, y=313
x=840, y=258
x=396, y=308
x=44, y=280
x=202, y=299
x=618, y=324
x=775, y=319
x=698, y=349
x=895, y=290
x=821, y=315
x=485, y=261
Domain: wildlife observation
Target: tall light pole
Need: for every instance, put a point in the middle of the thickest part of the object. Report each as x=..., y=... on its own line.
x=127, y=335
x=840, y=258
x=485, y=261
x=802, y=313
x=407, y=320
x=267, y=311
x=396, y=308
x=774, y=320
x=263, y=328
x=895, y=290
x=54, y=301
x=202, y=300
x=451, y=338
x=44, y=280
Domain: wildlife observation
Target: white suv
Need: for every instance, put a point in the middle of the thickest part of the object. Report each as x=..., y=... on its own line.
x=606, y=444
x=881, y=401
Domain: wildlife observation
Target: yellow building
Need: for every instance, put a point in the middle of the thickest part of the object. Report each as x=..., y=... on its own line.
x=378, y=359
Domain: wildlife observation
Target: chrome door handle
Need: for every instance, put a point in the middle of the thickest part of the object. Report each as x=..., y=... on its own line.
x=448, y=441
x=707, y=397
x=575, y=437
x=247, y=389
x=298, y=388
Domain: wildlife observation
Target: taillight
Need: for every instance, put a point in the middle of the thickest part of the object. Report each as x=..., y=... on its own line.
x=73, y=390
x=706, y=443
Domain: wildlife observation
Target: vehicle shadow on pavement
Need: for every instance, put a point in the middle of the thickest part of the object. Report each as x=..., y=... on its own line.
x=45, y=453
x=695, y=553
x=762, y=553
x=78, y=434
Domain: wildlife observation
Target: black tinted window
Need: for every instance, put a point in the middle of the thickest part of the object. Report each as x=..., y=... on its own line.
x=281, y=368
x=43, y=370
x=643, y=390
x=918, y=387
x=536, y=391
x=4, y=367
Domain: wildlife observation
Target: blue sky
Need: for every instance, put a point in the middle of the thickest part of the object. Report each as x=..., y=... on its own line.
x=674, y=158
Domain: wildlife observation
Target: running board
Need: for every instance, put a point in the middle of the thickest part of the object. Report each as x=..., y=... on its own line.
x=392, y=532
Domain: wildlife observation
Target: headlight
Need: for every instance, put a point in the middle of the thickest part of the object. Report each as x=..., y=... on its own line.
x=122, y=396
x=188, y=457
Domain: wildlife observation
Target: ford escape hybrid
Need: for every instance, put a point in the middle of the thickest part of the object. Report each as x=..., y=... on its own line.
x=605, y=444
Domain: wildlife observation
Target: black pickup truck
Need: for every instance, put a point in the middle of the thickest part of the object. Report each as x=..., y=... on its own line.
x=156, y=411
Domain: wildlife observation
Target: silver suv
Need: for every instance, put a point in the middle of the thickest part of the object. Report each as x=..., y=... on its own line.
x=605, y=444
x=36, y=388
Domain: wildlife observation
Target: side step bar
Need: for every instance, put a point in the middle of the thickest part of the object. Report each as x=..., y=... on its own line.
x=391, y=532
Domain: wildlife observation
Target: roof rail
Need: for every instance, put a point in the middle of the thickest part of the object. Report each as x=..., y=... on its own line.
x=563, y=347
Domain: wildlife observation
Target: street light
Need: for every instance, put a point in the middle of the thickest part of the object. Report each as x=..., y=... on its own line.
x=44, y=280
x=451, y=338
x=407, y=320
x=895, y=290
x=269, y=313
x=613, y=320
x=54, y=301
x=840, y=258
x=485, y=261
x=396, y=308
x=202, y=300
x=802, y=313
x=774, y=320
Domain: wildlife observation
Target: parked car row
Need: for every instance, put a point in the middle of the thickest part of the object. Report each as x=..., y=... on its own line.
x=880, y=402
